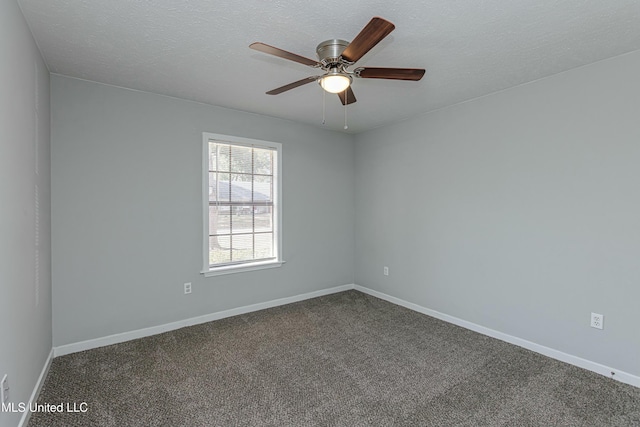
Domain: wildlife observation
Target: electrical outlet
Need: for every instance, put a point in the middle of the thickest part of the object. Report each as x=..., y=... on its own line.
x=597, y=321
x=385, y=270
x=4, y=389
x=187, y=288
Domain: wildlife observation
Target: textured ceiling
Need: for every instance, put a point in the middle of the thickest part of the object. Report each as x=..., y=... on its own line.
x=198, y=49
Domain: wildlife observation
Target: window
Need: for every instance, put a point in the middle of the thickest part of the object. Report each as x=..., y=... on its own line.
x=241, y=204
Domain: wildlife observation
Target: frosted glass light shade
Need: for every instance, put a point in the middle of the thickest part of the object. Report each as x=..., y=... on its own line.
x=335, y=83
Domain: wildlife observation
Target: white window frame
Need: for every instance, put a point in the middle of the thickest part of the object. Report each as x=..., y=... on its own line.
x=208, y=270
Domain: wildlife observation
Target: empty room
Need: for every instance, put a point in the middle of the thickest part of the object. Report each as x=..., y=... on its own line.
x=367, y=213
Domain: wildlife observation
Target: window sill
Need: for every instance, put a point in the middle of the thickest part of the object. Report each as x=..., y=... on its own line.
x=219, y=271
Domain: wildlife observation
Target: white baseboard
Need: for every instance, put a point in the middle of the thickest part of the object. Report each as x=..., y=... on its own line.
x=598, y=368
x=141, y=333
x=36, y=389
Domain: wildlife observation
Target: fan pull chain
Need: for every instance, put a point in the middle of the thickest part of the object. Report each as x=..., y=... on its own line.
x=346, y=101
x=323, y=106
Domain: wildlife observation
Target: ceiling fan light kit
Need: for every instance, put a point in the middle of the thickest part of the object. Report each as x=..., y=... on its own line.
x=335, y=82
x=335, y=56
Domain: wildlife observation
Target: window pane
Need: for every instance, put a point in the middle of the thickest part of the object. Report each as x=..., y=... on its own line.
x=214, y=190
x=263, y=218
x=242, y=220
x=219, y=249
x=240, y=187
x=223, y=192
x=219, y=220
x=262, y=160
x=212, y=156
x=243, y=247
x=223, y=154
x=262, y=188
x=213, y=220
x=263, y=245
x=241, y=159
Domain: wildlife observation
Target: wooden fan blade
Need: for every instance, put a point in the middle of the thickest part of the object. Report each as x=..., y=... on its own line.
x=292, y=85
x=347, y=97
x=265, y=48
x=414, y=74
x=376, y=30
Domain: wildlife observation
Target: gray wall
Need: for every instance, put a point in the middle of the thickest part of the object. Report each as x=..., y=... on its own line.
x=127, y=221
x=518, y=211
x=25, y=322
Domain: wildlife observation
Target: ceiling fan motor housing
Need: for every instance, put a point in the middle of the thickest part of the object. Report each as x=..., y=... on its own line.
x=329, y=51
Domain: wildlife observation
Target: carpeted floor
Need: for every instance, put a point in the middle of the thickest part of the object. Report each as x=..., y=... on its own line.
x=346, y=359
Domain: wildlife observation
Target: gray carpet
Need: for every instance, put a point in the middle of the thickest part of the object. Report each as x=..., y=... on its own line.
x=346, y=359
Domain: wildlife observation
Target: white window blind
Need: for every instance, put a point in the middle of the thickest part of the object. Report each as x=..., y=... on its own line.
x=242, y=203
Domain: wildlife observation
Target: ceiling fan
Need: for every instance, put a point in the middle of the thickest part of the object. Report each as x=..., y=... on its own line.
x=335, y=56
